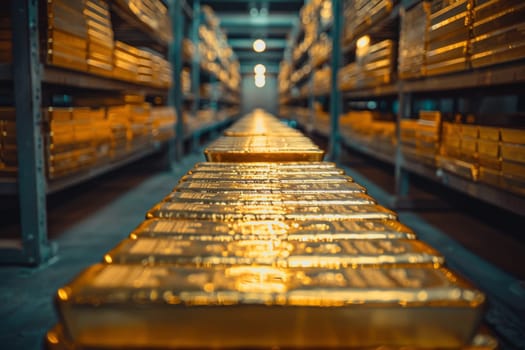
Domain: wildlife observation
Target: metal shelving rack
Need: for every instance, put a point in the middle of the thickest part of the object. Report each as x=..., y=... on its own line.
x=509, y=75
x=30, y=78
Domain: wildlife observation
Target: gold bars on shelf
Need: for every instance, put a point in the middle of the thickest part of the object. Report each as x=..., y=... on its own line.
x=240, y=198
x=307, y=188
x=277, y=253
x=240, y=249
x=263, y=148
x=334, y=212
x=304, y=231
x=260, y=137
x=231, y=307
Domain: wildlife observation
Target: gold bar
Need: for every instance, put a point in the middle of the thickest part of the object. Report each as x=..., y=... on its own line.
x=240, y=198
x=304, y=188
x=230, y=308
x=304, y=231
x=302, y=177
x=215, y=212
x=56, y=339
x=264, y=165
x=259, y=171
x=276, y=253
x=263, y=155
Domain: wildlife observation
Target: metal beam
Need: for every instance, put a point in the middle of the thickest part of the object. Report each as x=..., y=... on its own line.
x=175, y=93
x=248, y=43
x=285, y=21
x=30, y=143
x=261, y=57
x=334, y=145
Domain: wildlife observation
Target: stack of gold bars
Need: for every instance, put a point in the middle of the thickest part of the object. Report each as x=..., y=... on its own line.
x=269, y=254
x=100, y=37
x=67, y=34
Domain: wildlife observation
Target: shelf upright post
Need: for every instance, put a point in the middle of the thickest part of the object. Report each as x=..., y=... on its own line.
x=402, y=178
x=175, y=97
x=334, y=147
x=195, y=70
x=30, y=145
x=195, y=61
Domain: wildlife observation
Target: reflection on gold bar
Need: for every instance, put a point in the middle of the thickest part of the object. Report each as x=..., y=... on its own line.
x=265, y=171
x=240, y=198
x=263, y=155
x=232, y=307
x=216, y=212
x=302, y=188
x=291, y=254
x=304, y=231
x=247, y=166
x=303, y=177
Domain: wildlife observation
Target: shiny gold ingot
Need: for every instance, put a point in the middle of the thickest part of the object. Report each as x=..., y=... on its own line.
x=218, y=166
x=304, y=231
x=267, y=177
x=263, y=149
x=259, y=171
x=277, y=253
x=57, y=340
x=240, y=198
x=184, y=210
x=302, y=188
x=263, y=155
x=165, y=306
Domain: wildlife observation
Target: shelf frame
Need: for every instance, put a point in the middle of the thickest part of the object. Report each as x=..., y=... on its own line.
x=65, y=77
x=34, y=247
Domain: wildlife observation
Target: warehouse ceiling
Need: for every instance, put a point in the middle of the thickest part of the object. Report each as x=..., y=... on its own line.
x=245, y=21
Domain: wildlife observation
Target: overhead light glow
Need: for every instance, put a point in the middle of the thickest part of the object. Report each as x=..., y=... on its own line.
x=363, y=41
x=259, y=45
x=260, y=80
x=259, y=69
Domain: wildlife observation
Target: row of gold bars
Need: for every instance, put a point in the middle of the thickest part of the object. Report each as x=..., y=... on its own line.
x=265, y=246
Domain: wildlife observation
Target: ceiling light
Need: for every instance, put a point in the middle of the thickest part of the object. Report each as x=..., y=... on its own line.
x=260, y=81
x=259, y=69
x=259, y=45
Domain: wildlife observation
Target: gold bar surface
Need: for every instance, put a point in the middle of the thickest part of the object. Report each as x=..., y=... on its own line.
x=303, y=177
x=240, y=198
x=264, y=165
x=165, y=306
x=304, y=231
x=217, y=212
x=288, y=188
x=276, y=253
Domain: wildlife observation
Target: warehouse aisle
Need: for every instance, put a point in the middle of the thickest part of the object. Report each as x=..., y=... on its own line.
x=85, y=222
x=88, y=220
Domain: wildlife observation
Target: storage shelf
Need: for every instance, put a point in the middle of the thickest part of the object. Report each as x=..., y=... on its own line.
x=359, y=147
x=510, y=73
x=349, y=44
x=66, y=77
x=486, y=193
x=9, y=186
x=135, y=31
x=376, y=91
x=60, y=184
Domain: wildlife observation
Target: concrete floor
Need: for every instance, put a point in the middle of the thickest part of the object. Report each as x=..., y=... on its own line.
x=90, y=219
